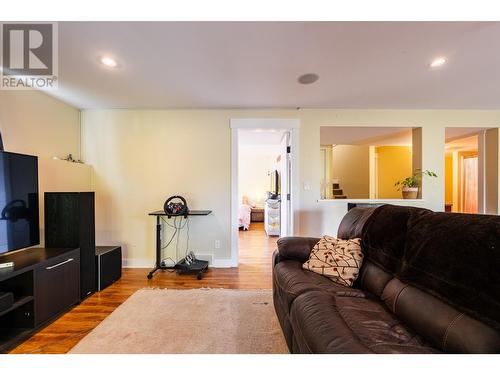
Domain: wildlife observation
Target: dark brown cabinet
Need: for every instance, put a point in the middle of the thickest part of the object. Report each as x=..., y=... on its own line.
x=57, y=286
x=44, y=283
x=70, y=223
x=257, y=215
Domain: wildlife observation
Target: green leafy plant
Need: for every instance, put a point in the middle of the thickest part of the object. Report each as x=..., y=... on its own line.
x=414, y=180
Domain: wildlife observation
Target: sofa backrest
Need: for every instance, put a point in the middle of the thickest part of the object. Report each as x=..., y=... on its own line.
x=438, y=272
x=353, y=222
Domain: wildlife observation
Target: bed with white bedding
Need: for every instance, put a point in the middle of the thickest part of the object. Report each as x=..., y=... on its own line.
x=244, y=215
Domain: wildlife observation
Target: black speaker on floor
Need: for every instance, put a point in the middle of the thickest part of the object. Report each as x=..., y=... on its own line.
x=70, y=223
x=108, y=265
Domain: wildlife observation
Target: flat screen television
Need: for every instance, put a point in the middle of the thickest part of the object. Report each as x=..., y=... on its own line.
x=19, y=221
x=275, y=187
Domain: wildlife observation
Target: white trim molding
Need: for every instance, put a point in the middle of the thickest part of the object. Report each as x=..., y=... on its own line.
x=149, y=263
x=223, y=263
x=138, y=263
x=291, y=124
x=265, y=123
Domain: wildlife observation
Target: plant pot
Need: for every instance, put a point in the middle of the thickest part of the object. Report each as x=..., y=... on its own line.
x=410, y=192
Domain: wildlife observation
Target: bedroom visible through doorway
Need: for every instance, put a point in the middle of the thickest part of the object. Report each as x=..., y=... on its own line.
x=262, y=167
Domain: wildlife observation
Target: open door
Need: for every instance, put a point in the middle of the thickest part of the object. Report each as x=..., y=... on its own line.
x=286, y=183
x=470, y=184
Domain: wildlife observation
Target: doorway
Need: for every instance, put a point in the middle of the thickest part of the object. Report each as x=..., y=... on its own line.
x=471, y=170
x=462, y=173
x=469, y=188
x=263, y=186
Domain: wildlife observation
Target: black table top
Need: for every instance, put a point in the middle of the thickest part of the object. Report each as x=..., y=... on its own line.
x=101, y=250
x=27, y=259
x=190, y=213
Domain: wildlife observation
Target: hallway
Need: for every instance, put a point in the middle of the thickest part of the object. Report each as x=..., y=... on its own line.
x=255, y=247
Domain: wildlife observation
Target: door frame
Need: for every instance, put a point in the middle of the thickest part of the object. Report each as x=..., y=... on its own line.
x=293, y=126
x=462, y=155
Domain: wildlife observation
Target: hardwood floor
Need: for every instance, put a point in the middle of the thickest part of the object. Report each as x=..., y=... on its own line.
x=254, y=272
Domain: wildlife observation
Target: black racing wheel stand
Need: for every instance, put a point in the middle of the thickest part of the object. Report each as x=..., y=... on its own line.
x=197, y=266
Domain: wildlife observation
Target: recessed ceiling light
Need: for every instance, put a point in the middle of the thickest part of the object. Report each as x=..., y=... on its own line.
x=440, y=61
x=307, y=79
x=109, y=62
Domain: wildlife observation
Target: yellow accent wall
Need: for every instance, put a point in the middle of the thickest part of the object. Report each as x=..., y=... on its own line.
x=393, y=163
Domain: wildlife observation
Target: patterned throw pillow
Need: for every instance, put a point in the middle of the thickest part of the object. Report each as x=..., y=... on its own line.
x=339, y=260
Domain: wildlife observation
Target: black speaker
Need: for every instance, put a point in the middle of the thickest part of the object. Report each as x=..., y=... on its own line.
x=108, y=265
x=70, y=223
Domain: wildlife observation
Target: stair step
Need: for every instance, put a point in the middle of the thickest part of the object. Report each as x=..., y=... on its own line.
x=338, y=192
x=340, y=197
x=336, y=186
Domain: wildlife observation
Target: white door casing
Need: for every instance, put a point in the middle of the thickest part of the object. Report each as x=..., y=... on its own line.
x=292, y=125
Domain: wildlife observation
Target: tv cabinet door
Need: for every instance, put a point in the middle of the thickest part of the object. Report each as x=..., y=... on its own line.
x=57, y=286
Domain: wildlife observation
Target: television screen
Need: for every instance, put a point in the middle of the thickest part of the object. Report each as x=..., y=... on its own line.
x=19, y=223
x=275, y=183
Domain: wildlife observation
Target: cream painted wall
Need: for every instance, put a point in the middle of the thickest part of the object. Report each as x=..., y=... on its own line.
x=141, y=157
x=345, y=160
x=60, y=175
x=36, y=124
x=323, y=217
x=255, y=163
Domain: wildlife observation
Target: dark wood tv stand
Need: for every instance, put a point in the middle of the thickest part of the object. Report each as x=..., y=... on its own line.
x=45, y=283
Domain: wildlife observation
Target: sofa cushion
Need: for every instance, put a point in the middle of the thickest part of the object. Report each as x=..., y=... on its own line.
x=339, y=260
x=456, y=257
x=373, y=278
x=326, y=323
x=447, y=328
x=291, y=280
x=384, y=235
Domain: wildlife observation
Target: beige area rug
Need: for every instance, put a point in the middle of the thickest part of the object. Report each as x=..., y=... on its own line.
x=189, y=321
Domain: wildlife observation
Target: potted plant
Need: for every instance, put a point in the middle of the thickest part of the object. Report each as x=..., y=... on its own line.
x=410, y=185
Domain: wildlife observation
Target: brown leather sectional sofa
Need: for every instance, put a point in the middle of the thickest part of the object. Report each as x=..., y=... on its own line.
x=430, y=283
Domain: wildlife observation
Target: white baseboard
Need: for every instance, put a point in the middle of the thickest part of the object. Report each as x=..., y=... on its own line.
x=138, y=263
x=149, y=263
x=223, y=263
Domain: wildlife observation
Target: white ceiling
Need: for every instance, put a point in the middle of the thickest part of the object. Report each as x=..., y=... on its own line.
x=463, y=144
x=256, y=64
x=462, y=139
x=365, y=136
x=457, y=133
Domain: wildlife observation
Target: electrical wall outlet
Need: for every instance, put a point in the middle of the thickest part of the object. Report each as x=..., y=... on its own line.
x=217, y=244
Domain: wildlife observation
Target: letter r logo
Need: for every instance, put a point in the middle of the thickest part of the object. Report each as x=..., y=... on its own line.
x=27, y=49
